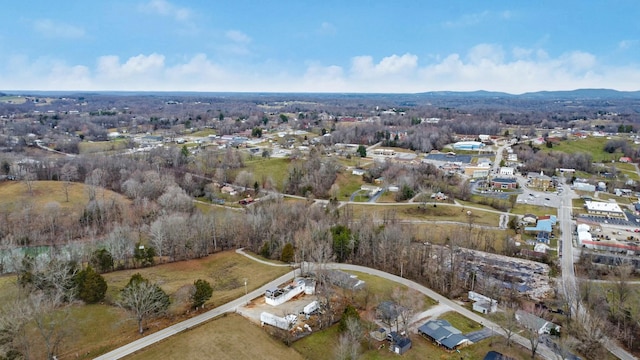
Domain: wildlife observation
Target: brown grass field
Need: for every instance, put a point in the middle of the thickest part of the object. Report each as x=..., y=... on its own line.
x=14, y=196
x=227, y=337
x=441, y=212
x=225, y=271
x=96, y=329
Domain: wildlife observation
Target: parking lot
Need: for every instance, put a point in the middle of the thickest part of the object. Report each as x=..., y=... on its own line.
x=631, y=221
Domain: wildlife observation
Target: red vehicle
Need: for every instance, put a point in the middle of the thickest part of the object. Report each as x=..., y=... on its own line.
x=246, y=201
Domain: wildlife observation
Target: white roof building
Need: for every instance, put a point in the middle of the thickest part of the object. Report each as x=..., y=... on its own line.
x=604, y=208
x=506, y=171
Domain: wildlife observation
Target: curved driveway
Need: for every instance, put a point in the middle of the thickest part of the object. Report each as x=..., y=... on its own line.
x=150, y=339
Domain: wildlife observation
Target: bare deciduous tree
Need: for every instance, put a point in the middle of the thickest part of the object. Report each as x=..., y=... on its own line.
x=144, y=299
x=68, y=174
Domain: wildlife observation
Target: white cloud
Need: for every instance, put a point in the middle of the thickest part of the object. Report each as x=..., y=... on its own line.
x=483, y=67
x=54, y=29
x=467, y=20
x=109, y=67
x=165, y=8
x=363, y=66
x=238, y=36
x=627, y=44
x=327, y=28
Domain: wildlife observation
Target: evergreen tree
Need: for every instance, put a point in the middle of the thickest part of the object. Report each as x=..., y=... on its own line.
x=91, y=286
x=202, y=292
x=287, y=254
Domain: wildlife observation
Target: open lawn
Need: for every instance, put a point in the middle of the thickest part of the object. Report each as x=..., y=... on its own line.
x=626, y=200
x=322, y=345
x=12, y=99
x=90, y=147
x=382, y=289
x=628, y=169
x=227, y=337
x=203, y=133
x=263, y=168
x=442, y=212
x=347, y=184
x=522, y=209
x=225, y=271
x=460, y=322
x=15, y=195
x=592, y=145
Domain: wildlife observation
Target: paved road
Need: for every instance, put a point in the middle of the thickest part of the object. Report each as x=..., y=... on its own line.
x=543, y=350
x=570, y=286
x=231, y=306
x=184, y=325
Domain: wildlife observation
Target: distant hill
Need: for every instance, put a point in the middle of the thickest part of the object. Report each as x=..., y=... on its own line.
x=541, y=95
x=583, y=94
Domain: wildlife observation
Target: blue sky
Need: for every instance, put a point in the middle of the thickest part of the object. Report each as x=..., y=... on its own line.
x=403, y=46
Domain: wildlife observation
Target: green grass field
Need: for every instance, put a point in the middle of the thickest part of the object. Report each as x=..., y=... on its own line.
x=460, y=322
x=522, y=209
x=277, y=169
x=12, y=100
x=91, y=147
x=321, y=346
x=592, y=145
x=347, y=184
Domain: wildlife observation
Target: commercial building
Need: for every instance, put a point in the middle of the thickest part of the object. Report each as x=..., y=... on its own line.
x=606, y=209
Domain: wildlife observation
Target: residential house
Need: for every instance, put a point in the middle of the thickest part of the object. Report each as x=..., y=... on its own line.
x=536, y=323
x=494, y=355
x=277, y=296
x=543, y=228
x=399, y=344
x=444, y=334
x=483, y=304
x=529, y=218
x=358, y=172
x=625, y=159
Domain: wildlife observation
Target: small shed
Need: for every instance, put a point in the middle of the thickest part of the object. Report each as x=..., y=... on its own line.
x=379, y=335
x=399, y=344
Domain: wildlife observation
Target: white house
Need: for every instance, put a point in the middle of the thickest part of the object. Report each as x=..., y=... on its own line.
x=483, y=304
x=507, y=171
x=278, y=296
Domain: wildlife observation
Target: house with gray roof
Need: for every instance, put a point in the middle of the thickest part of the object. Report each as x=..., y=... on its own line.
x=444, y=334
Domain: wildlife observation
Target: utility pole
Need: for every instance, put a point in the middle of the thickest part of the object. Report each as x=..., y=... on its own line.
x=245, y=291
